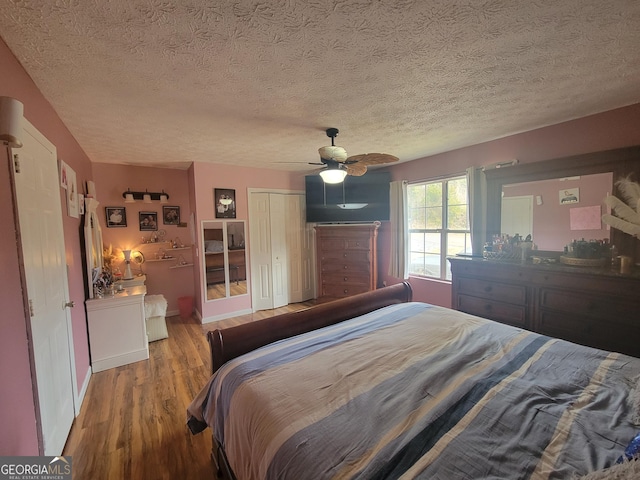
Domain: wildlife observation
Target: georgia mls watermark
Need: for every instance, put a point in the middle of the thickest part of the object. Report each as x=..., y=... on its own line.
x=35, y=468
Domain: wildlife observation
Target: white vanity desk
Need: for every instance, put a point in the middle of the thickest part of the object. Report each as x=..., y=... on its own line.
x=117, y=330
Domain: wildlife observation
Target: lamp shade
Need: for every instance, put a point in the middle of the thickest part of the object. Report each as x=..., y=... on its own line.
x=11, y=111
x=146, y=198
x=333, y=175
x=164, y=198
x=128, y=198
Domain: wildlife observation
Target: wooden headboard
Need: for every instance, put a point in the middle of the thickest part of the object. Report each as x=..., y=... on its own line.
x=229, y=343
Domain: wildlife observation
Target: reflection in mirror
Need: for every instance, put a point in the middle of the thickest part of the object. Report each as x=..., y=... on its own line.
x=224, y=259
x=557, y=211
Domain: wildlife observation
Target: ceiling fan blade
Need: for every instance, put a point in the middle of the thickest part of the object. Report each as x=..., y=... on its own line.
x=356, y=169
x=373, y=158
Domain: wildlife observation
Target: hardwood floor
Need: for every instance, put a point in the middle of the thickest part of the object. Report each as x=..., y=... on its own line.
x=132, y=423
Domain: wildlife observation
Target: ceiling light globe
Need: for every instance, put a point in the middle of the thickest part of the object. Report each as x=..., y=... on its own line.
x=333, y=175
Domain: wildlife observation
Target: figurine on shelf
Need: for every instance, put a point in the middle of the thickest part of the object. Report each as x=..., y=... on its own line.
x=177, y=243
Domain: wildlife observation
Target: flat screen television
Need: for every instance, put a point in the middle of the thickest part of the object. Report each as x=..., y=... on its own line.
x=356, y=200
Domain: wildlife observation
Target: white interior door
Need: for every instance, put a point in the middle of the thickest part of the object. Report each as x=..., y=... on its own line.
x=260, y=242
x=300, y=250
x=42, y=236
x=279, y=250
x=517, y=215
x=275, y=220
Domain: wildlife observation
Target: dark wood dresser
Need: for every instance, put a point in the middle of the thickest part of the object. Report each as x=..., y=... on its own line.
x=596, y=307
x=347, y=259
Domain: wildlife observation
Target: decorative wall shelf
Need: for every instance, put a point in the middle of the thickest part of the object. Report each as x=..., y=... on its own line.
x=182, y=266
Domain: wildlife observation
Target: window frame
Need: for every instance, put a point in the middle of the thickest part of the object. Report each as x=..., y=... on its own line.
x=444, y=232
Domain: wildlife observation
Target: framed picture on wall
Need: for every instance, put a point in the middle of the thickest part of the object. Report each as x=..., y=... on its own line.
x=116, y=216
x=225, y=202
x=148, y=221
x=170, y=215
x=569, y=195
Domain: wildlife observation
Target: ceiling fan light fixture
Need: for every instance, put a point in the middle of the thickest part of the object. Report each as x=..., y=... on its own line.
x=333, y=175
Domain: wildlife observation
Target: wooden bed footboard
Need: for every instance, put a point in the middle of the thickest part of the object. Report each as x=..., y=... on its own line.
x=229, y=343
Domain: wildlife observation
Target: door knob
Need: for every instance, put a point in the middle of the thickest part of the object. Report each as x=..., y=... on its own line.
x=70, y=304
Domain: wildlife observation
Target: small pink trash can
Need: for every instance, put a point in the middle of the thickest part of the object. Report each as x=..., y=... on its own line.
x=185, y=305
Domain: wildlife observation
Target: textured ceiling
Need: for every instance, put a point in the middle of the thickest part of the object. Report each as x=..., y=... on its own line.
x=256, y=82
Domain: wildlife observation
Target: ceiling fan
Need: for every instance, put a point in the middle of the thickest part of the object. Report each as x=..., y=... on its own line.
x=337, y=165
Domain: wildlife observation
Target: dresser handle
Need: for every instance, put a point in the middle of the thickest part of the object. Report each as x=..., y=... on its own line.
x=346, y=266
x=345, y=279
x=345, y=291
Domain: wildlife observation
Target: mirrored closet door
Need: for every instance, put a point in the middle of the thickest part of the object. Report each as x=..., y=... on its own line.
x=225, y=261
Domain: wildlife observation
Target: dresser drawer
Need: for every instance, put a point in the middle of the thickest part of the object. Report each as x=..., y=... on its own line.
x=334, y=290
x=502, y=312
x=330, y=244
x=351, y=256
x=510, y=293
x=618, y=312
x=590, y=331
x=330, y=268
x=350, y=278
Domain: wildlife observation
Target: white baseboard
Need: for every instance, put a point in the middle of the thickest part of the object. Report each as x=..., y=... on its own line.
x=83, y=391
x=119, y=360
x=173, y=313
x=215, y=318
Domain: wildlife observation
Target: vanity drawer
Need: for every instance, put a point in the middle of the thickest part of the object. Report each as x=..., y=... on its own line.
x=511, y=293
x=501, y=312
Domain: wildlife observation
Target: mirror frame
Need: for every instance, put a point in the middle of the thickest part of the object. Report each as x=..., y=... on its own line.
x=621, y=162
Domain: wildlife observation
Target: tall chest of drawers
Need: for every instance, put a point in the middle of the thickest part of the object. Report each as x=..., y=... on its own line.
x=347, y=259
x=595, y=307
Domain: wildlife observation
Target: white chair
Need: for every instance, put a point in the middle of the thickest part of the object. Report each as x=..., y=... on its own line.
x=155, y=308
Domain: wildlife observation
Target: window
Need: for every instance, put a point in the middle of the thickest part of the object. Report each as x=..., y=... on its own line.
x=438, y=225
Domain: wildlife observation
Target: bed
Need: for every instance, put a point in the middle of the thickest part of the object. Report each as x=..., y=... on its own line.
x=377, y=386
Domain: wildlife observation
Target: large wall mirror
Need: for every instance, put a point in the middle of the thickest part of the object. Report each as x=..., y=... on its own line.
x=556, y=211
x=92, y=243
x=565, y=196
x=225, y=264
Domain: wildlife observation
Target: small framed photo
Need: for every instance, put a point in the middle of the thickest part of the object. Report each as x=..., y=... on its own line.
x=225, y=202
x=170, y=215
x=116, y=216
x=148, y=221
x=570, y=195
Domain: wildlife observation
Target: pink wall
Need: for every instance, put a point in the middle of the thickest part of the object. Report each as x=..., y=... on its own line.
x=208, y=176
x=17, y=411
x=111, y=181
x=551, y=219
x=614, y=129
